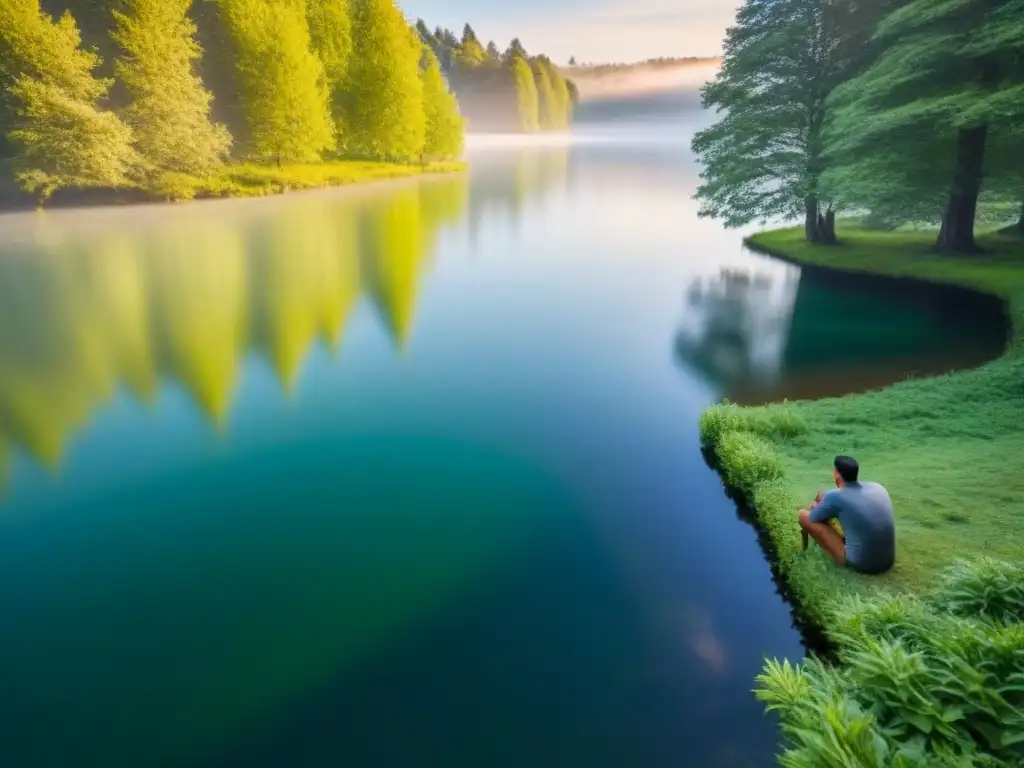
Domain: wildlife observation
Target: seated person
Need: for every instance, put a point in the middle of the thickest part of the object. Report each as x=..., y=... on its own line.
x=864, y=512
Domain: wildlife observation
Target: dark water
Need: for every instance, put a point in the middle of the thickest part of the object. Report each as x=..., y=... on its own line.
x=408, y=477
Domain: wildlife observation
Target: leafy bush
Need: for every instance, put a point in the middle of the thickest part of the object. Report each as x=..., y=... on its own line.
x=988, y=588
x=937, y=682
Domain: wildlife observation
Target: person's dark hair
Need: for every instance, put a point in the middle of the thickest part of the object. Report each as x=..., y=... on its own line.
x=847, y=468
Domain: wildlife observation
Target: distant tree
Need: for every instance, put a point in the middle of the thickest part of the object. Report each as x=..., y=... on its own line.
x=426, y=35
x=284, y=88
x=385, y=116
x=169, y=107
x=493, y=55
x=445, y=127
x=470, y=54
x=330, y=31
x=763, y=158
x=515, y=48
x=549, y=108
x=560, y=114
x=527, y=99
x=58, y=134
x=572, y=61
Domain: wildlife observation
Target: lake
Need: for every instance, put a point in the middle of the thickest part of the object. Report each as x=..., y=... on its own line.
x=407, y=475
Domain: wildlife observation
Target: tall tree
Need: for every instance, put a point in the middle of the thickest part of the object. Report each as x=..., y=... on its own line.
x=385, y=117
x=764, y=157
x=470, y=54
x=444, y=125
x=493, y=55
x=57, y=132
x=561, y=106
x=284, y=88
x=169, y=108
x=951, y=75
x=546, y=95
x=527, y=99
x=330, y=30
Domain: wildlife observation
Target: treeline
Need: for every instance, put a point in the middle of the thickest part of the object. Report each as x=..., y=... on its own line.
x=901, y=111
x=502, y=91
x=660, y=62
x=147, y=89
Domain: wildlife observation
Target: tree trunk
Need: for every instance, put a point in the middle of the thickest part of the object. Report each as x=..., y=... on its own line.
x=828, y=227
x=957, y=232
x=811, y=227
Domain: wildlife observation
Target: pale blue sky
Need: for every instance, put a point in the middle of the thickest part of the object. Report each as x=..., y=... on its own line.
x=592, y=30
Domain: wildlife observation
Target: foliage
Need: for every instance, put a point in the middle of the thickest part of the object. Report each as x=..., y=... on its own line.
x=385, y=115
x=444, y=125
x=546, y=96
x=284, y=90
x=917, y=685
x=470, y=54
x=946, y=83
x=59, y=135
x=330, y=30
x=527, y=98
x=169, y=109
x=763, y=158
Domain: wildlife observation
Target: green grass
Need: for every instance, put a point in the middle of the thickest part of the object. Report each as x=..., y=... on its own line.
x=948, y=448
x=250, y=180
x=931, y=655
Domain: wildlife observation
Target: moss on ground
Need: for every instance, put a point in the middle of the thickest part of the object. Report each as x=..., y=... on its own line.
x=950, y=449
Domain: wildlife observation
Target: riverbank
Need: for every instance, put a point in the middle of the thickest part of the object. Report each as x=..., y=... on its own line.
x=241, y=180
x=947, y=448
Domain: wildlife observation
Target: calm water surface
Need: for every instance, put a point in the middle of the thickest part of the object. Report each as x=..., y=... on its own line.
x=402, y=477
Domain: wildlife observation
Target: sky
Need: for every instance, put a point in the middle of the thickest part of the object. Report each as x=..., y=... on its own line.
x=596, y=31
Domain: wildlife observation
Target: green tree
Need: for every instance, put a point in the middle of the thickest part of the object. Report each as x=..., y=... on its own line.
x=57, y=133
x=546, y=95
x=560, y=110
x=470, y=53
x=493, y=55
x=763, y=158
x=515, y=49
x=950, y=80
x=527, y=99
x=330, y=31
x=283, y=85
x=169, y=109
x=445, y=127
x=385, y=117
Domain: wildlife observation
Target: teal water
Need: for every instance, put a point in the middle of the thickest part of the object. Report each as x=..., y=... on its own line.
x=402, y=476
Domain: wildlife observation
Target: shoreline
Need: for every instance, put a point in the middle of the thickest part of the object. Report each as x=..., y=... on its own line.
x=240, y=182
x=942, y=445
x=978, y=275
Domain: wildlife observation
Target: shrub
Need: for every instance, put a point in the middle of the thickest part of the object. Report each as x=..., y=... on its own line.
x=919, y=684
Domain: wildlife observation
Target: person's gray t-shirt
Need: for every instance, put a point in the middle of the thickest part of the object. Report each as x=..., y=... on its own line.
x=864, y=510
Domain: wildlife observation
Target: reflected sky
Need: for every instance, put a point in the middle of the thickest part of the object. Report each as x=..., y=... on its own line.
x=400, y=476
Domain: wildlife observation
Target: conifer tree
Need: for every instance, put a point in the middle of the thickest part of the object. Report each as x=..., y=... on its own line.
x=169, y=109
x=330, y=30
x=385, y=116
x=444, y=125
x=58, y=135
x=284, y=88
x=470, y=54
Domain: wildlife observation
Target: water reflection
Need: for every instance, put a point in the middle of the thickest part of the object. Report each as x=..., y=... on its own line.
x=83, y=314
x=767, y=336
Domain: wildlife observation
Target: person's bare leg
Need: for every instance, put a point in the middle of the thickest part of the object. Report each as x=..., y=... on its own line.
x=826, y=536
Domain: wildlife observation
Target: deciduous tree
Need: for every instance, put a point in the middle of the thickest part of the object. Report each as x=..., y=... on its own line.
x=284, y=88
x=169, y=107
x=445, y=127
x=386, y=118
x=763, y=158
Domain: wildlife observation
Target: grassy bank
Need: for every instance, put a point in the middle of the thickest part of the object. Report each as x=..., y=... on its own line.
x=239, y=180
x=951, y=452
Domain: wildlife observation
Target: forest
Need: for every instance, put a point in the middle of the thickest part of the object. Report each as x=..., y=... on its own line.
x=502, y=91
x=175, y=98
x=900, y=113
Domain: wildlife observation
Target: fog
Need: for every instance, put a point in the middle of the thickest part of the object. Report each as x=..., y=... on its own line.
x=640, y=80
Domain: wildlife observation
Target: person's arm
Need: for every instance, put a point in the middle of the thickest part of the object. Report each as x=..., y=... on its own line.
x=826, y=509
